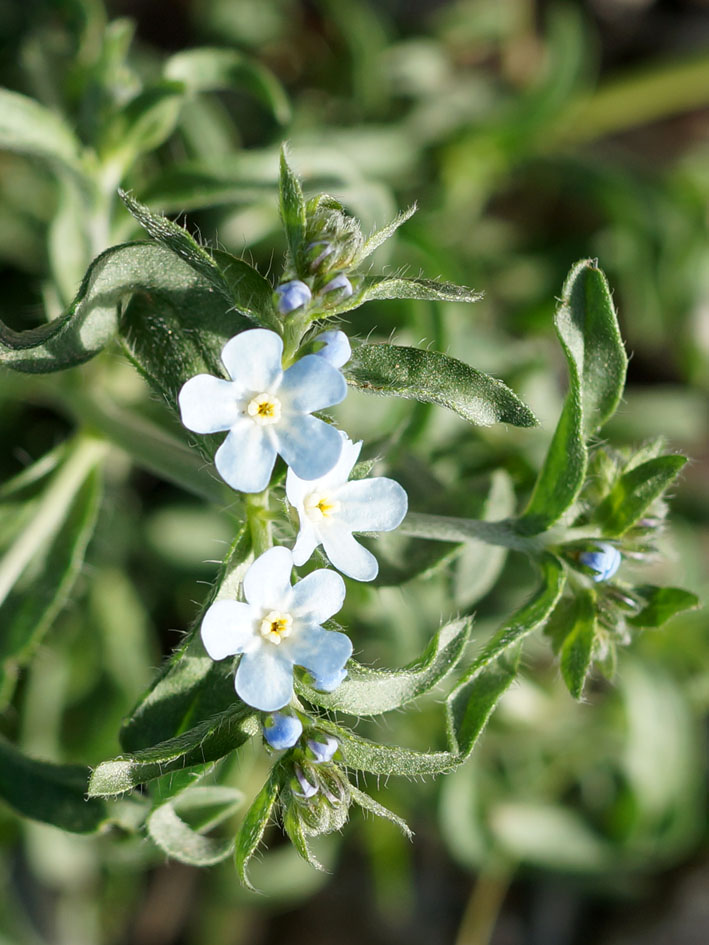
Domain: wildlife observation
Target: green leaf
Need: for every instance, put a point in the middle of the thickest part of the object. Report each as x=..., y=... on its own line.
x=177, y=239
x=213, y=69
x=374, y=807
x=529, y=617
x=577, y=648
x=635, y=492
x=370, y=692
x=294, y=828
x=208, y=806
x=365, y=755
x=473, y=700
x=91, y=319
x=30, y=128
x=207, y=741
x=292, y=205
x=143, y=124
x=393, y=287
x=191, y=687
x=54, y=563
x=254, y=824
x=54, y=794
x=661, y=604
x=588, y=331
x=250, y=292
x=374, y=241
x=435, y=378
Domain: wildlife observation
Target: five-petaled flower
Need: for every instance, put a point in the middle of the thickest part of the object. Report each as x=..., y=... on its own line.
x=277, y=628
x=266, y=410
x=331, y=508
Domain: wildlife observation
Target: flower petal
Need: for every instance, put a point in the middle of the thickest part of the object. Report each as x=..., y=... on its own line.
x=253, y=358
x=372, y=505
x=337, y=350
x=264, y=678
x=348, y=556
x=318, y=596
x=228, y=628
x=311, y=384
x=246, y=457
x=309, y=446
x=323, y=652
x=267, y=582
x=208, y=404
x=296, y=489
x=306, y=542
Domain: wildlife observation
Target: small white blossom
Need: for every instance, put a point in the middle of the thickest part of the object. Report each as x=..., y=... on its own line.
x=266, y=410
x=277, y=628
x=331, y=509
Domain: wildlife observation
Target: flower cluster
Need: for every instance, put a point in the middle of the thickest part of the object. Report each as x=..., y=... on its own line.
x=268, y=410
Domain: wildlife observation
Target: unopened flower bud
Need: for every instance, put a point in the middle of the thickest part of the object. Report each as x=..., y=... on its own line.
x=323, y=748
x=603, y=562
x=340, y=285
x=303, y=788
x=282, y=730
x=316, y=253
x=292, y=295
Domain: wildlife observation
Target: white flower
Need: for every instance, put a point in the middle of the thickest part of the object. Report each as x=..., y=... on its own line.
x=277, y=628
x=331, y=508
x=266, y=411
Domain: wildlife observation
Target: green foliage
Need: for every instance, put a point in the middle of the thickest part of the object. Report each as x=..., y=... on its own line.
x=634, y=493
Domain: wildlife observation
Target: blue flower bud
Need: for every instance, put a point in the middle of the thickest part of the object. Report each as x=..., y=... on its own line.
x=326, y=683
x=292, y=295
x=307, y=789
x=340, y=284
x=282, y=730
x=316, y=253
x=323, y=748
x=603, y=562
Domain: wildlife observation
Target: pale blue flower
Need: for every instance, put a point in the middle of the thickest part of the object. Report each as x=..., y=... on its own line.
x=277, y=628
x=337, y=350
x=305, y=788
x=282, y=730
x=291, y=295
x=328, y=682
x=331, y=509
x=603, y=562
x=323, y=748
x=266, y=410
x=340, y=284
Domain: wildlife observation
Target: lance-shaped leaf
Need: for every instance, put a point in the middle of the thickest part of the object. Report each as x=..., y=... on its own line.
x=576, y=651
x=47, y=557
x=370, y=692
x=254, y=824
x=214, y=69
x=142, y=124
x=374, y=241
x=529, y=617
x=54, y=794
x=661, y=604
x=251, y=293
x=634, y=493
x=208, y=741
x=29, y=128
x=588, y=331
x=91, y=319
x=292, y=205
x=206, y=807
x=374, y=807
x=191, y=687
x=364, y=755
x=435, y=378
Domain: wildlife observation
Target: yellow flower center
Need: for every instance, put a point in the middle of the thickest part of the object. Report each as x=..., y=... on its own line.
x=275, y=626
x=319, y=506
x=264, y=409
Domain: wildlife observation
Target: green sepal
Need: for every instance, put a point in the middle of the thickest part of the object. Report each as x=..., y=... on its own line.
x=376, y=239
x=661, y=604
x=254, y=824
x=207, y=741
x=576, y=653
x=207, y=806
x=364, y=755
x=292, y=206
x=430, y=377
x=634, y=492
x=371, y=692
x=587, y=328
x=374, y=807
x=294, y=828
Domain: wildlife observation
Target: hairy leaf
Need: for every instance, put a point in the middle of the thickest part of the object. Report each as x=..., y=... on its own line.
x=370, y=692
x=435, y=378
x=577, y=649
x=635, y=492
x=374, y=807
x=374, y=241
x=365, y=755
x=254, y=824
x=661, y=604
x=208, y=806
x=30, y=128
x=292, y=204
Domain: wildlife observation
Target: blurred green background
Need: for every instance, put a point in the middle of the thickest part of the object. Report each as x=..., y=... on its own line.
x=531, y=134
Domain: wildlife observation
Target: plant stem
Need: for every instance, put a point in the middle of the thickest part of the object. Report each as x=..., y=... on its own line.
x=449, y=528
x=483, y=908
x=259, y=521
